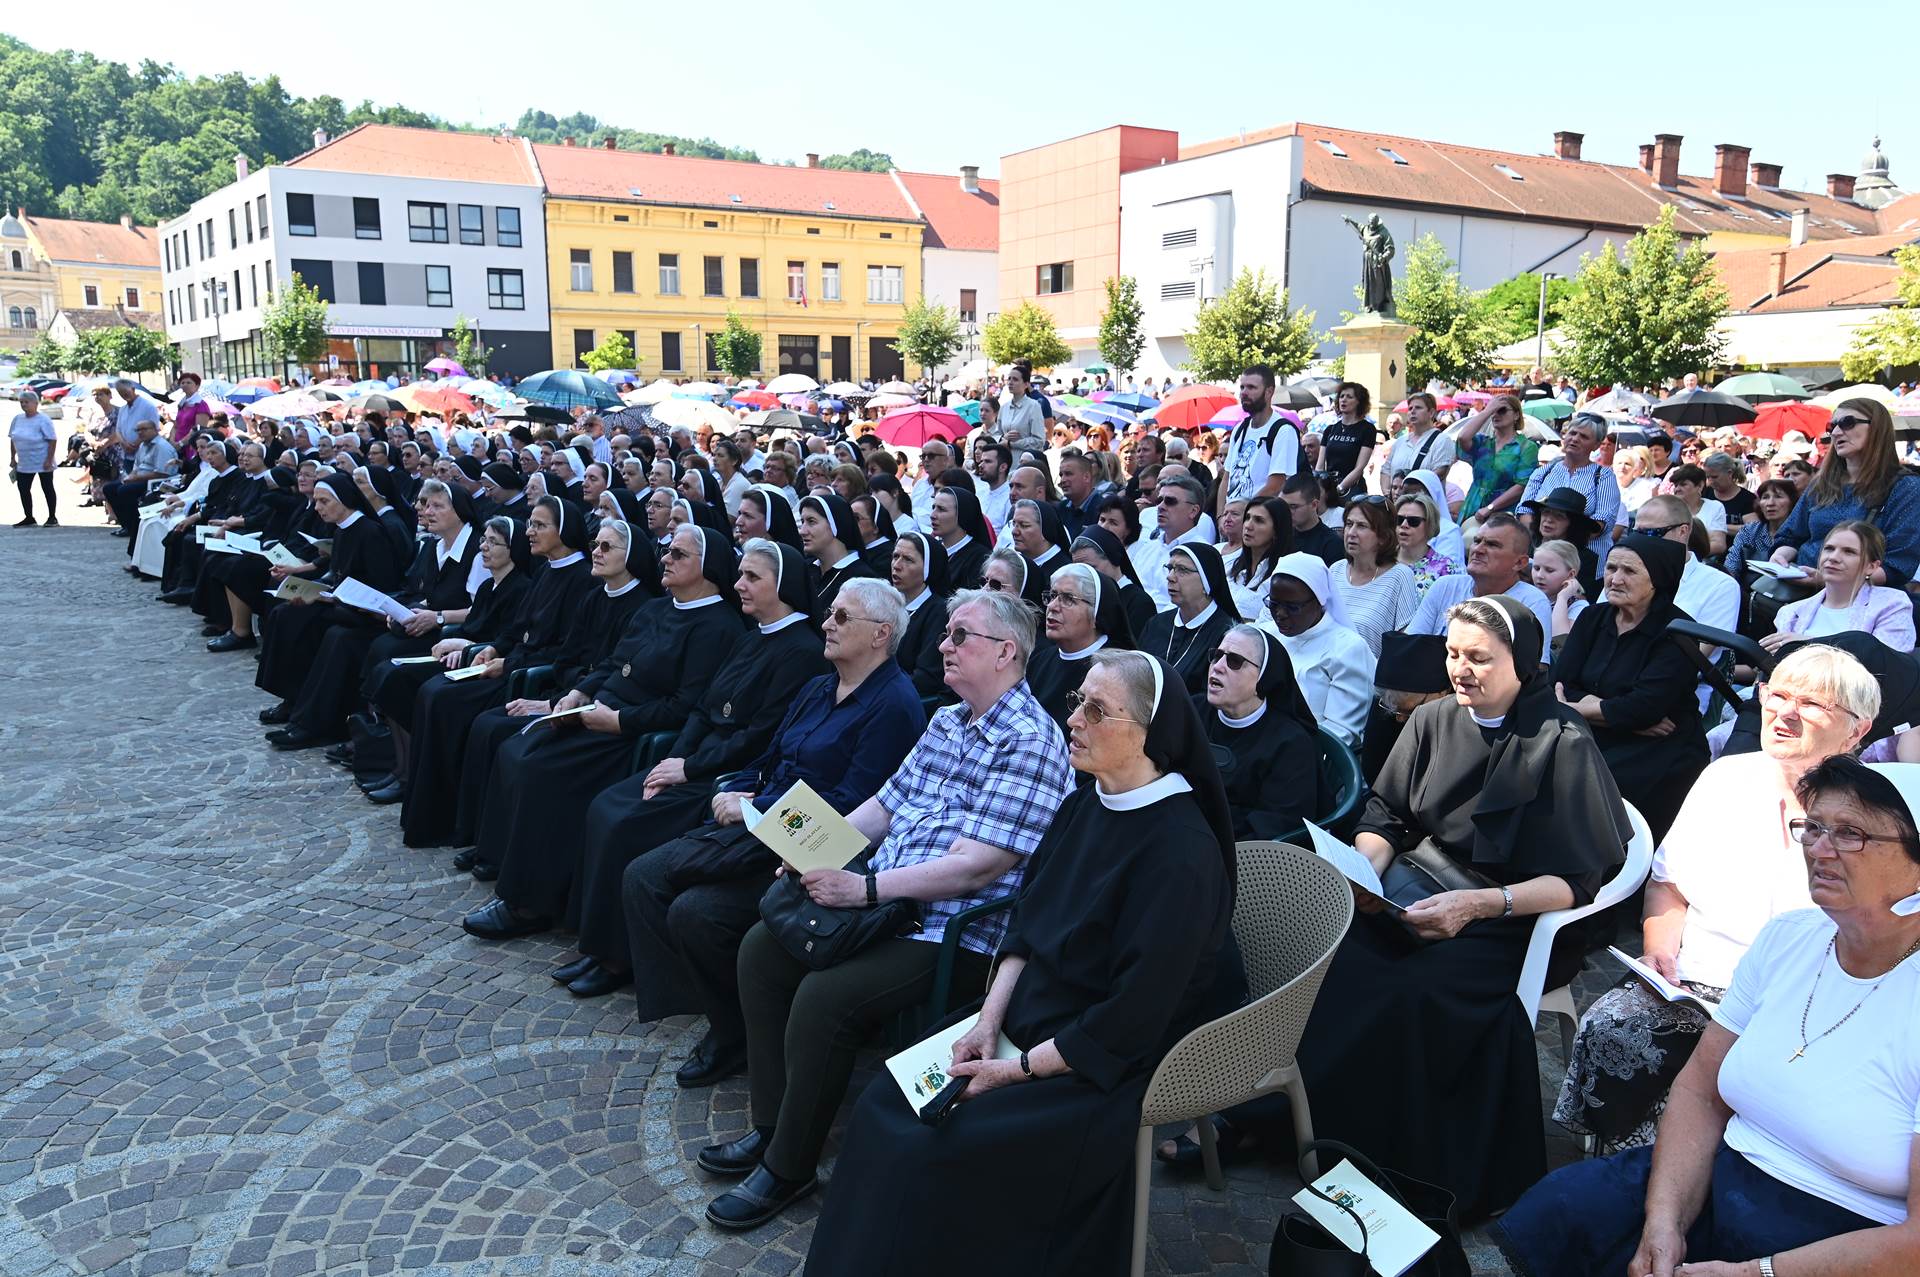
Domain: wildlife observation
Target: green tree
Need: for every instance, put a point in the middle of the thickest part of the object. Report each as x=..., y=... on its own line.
x=736, y=347
x=1453, y=337
x=1253, y=322
x=1646, y=318
x=471, y=353
x=293, y=325
x=929, y=334
x=89, y=354
x=1513, y=305
x=1892, y=340
x=1122, y=336
x=614, y=351
x=47, y=356
x=861, y=161
x=134, y=350
x=1025, y=332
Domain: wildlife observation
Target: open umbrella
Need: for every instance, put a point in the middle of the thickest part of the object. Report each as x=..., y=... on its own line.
x=773, y=419
x=1474, y=398
x=1106, y=414
x=445, y=366
x=371, y=386
x=330, y=394
x=1859, y=390
x=1192, y=406
x=1131, y=400
x=435, y=399
x=1763, y=387
x=338, y=381
x=1320, y=385
x=270, y=384
x=294, y=403
x=1297, y=397
x=896, y=388
x=651, y=393
x=385, y=401
x=1776, y=418
x=490, y=392
x=886, y=401
x=1619, y=399
x=911, y=427
x=844, y=388
x=536, y=412
x=788, y=383
x=1547, y=409
x=568, y=388
x=694, y=413
x=700, y=390
x=754, y=399
x=1708, y=408
x=967, y=410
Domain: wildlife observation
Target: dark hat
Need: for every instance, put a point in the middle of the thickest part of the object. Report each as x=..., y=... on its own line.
x=1412, y=663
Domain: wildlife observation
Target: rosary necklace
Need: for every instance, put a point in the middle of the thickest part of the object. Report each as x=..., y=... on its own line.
x=1820, y=971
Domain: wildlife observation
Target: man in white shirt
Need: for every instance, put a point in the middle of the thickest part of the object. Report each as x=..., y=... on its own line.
x=1706, y=594
x=1263, y=450
x=753, y=460
x=1181, y=497
x=1424, y=446
x=993, y=466
x=1689, y=483
x=1497, y=563
x=133, y=409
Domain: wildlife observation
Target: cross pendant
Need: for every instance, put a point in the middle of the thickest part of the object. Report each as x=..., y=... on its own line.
x=1796, y=1055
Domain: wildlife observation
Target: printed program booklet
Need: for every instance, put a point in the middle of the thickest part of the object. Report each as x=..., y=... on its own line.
x=921, y=1069
x=1660, y=984
x=804, y=830
x=1395, y=1240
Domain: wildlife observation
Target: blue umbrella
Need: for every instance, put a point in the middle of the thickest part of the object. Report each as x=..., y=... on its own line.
x=1131, y=400
x=245, y=394
x=1106, y=414
x=369, y=387
x=568, y=388
x=968, y=410
x=216, y=388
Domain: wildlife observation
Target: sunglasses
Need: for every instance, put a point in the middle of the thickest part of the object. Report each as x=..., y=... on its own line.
x=1234, y=660
x=1846, y=423
x=673, y=554
x=1663, y=529
x=1171, y=501
x=1092, y=711
x=1410, y=520
x=959, y=635
x=840, y=616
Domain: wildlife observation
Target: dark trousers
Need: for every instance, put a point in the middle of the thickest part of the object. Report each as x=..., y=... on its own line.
x=25, y=483
x=685, y=939
x=804, y=1027
x=123, y=498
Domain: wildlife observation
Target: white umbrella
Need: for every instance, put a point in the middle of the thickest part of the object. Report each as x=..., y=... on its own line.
x=1620, y=399
x=889, y=400
x=1864, y=390
x=844, y=388
x=693, y=413
x=974, y=370
x=292, y=403
x=700, y=390
x=771, y=419
x=896, y=388
x=792, y=383
x=654, y=392
x=746, y=383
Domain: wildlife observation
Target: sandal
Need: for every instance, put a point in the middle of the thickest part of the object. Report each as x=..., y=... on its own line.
x=1232, y=1144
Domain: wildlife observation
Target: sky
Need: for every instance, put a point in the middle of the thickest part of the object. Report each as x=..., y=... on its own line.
x=941, y=86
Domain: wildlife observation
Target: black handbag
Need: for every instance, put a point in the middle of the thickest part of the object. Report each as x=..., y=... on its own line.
x=1428, y=871
x=1301, y=1248
x=821, y=936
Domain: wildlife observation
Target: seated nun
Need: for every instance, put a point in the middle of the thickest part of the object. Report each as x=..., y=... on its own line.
x=919, y=571
x=1266, y=740
x=1104, y=552
x=1202, y=612
x=1331, y=662
x=830, y=534
x=1008, y=572
x=1037, y=532
x=876, y=534
x=766, y=511
x=1082, y=615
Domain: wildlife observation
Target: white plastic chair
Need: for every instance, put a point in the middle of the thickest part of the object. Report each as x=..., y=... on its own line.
x=1533, y=975
x=1290, y=912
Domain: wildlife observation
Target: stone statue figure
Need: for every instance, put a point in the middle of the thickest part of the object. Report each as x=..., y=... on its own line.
x=1376, y=251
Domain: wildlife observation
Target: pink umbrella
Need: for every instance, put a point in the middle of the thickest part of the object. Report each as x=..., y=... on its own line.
x=912, y=427
x=1229, y=416
x=1471, y=396
x=444, y=366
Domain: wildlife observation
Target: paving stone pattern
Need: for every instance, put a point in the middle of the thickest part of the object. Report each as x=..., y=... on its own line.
x=242, y=1032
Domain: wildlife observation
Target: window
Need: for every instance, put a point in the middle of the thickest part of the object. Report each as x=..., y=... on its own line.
x=506, y=227
x=193, y=310
x=886, y=284
x=247, y=208
x=969, y=305
x=299, y=216
x=1180, y=239
x=211, y=242
x=267, y=273
x=670, y=274
x=133, y=297
x=712, y=226
x=316, y=274
x=1332, y=148
x=253, y=276
x=886, y=234
x=233, y=229
x=715, y=276
x=373, y=283
x=90, y=294
x=830, y=281
x=166, y=256
x=669, y=352
x=1391, y=154
x=1055, y=277
x=261, y=206
x=621, y=217
x=630, y=335
x=749, y=276
x=473, y=228
x=1516, y=177
x=581, y=279
x=1183, y=290
x=32, y=318
x=439, y=285
x=236, y=288
x=582, y=343
x=623, y=272
x=366, y=218
x=796, y=281
x=813, y=230
x=506, y=290
x=426, y=223
x=13, y=316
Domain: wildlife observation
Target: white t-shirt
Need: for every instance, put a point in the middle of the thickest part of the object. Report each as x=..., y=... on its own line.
x=1713, y=515
x=1250, y=460
x=33, y=439
x=1406, y=452
x=1838, y=1123
x=1729, y=854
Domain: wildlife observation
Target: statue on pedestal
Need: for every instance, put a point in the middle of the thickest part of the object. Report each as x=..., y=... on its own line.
x=1376, y=251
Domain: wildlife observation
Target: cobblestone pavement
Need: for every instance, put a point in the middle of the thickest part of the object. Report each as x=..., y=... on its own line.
x=241, y=1030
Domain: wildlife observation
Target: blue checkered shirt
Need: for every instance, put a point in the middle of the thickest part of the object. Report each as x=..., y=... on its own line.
x=997, y=779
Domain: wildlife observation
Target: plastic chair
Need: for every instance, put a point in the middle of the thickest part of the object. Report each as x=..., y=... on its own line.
x=649, y=748
x=1340, y=766
x=1533, y=974
x=1289, y=915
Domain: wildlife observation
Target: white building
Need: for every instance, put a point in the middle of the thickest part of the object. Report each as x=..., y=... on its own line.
x=402, y=230
x=960, y=248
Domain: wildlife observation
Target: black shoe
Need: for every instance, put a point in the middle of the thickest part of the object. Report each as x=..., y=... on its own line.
x=130, y=569
x=179, y=598
x=231, y=643
x=496, y=920
x=119, y=532
x=736, y=1157
x=573, y=970
x=278, y=714
x=341, y=753
x=385, y=780
x=212, y=631
x=296, y=737
x=51, y=522
x=711, y=1061
x=384, y=797
x=463, y=861
x=599, y=982
x=757, y=1199
x=484, y=872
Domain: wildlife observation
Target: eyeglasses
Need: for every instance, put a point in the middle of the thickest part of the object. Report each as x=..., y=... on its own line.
x=673, y=554
x=959, y=635
x=1846, y=423
x=1839, y=837
x=1290, y=609
x=1787, y=703
x=1051, y=597
x=1410, y=520
x=840, y=616
x=991, y=584
x=1092, y=710
x=1172, y=500
x=1503, y=411
x=1663, y=529
x=1181, y=569
x=608, y=546
x=1234, y=660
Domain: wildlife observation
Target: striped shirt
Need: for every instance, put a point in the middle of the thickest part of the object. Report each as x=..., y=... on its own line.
x=1385, y=603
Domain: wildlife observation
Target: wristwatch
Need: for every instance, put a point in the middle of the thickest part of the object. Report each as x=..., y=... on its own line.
x=1027, y=1069
x=1766, y=1266
x=440, y=619
x=1506, y=896
x=873, y=891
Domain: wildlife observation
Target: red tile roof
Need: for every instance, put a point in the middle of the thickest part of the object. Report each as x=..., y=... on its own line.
x=955, y=218
x=595, y=173
x=1902, y=214
x=107, y=243
x=1858, y=272
x=393, y=151
x=1580, y=192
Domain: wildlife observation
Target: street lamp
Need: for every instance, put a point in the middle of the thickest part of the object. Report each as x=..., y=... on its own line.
x=1540, y=323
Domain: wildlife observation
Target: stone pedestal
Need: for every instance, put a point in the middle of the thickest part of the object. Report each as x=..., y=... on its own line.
x=1377, y=358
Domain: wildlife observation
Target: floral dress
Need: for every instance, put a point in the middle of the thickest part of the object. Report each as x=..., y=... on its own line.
x=1496, y=469
x=1431, y=569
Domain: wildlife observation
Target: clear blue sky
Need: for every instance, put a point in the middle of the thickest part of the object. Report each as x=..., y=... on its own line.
x=945, y=85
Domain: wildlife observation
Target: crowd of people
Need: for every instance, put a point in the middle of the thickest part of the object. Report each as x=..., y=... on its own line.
x=1051, y=675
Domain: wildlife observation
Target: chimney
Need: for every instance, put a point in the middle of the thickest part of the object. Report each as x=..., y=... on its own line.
x=813, y=159
x=319, y=138
x=126, y=222
x=240, y=167
x=1567, y=145
x=669, y=149
x=1840, y=186
x=568, y=141
x=608, y=142
x=1798, y=235
x=1646, y=157
x=1666, y=159
x=1779, y=272
x=1767, y=175
x=1730, y=169
x=970, y=178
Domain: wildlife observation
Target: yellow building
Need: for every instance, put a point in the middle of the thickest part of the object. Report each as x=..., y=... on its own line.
x=101, y=266
x=820, y=262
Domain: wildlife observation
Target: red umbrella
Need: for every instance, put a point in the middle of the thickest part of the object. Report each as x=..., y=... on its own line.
x=756, y=399
x=266, y=383
x=912, y=427
x=1775, y=419
x=1193, y=406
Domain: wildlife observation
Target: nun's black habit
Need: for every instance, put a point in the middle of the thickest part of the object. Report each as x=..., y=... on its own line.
x=878, y=553
x=1134, y=599
x=967, y=563
x=544, y=780
x=1185, y=645
x=733, y=724
x=1057, y=553
x=1271, y=766
x=1641, y=677
x=279, y=512
x=778, y=510
x=1420, y=1053
x=1125, y=911
x=445, y=710
x=919, y=649
x=1052, y=675
x=829, y=577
